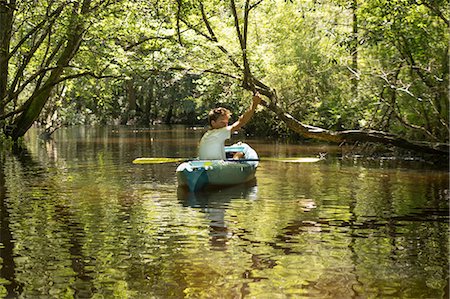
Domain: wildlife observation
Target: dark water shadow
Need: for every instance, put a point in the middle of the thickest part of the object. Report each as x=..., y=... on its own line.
x=7, y=266
x=25, y=159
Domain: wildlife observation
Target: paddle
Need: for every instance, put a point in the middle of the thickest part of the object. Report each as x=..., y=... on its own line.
x=174, y=160
x=157, y=160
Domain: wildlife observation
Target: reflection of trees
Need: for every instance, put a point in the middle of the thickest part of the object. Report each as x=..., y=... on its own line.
x=366, y=223
x=8, y=282
x=90, y=223
x=42, y=238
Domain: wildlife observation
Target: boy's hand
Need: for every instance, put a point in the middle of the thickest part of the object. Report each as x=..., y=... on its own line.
x=256, y=100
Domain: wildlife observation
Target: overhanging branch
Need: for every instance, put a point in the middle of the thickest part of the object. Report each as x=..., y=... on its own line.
x=253, y=84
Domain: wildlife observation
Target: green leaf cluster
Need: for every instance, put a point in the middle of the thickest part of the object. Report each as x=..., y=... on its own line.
x=337, y=64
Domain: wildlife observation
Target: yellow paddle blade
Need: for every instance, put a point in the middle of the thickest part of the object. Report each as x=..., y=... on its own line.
x=302, y=160
x=157, y=160
x=295, y=160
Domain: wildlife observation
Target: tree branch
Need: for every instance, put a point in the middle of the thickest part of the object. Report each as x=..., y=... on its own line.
x=242, y=38
x=436, y=11
x=12, y=95
x=178, y=21
x=256, y=4
x=12, y=113
x=211, y=71
x=351, y=136
x=212, y=37
x=50, y=19
x=356, y=135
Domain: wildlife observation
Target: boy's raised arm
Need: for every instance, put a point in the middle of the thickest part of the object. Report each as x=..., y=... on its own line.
x=244, y=118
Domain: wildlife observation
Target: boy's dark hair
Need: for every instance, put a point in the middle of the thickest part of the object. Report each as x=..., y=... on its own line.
x=215, y=113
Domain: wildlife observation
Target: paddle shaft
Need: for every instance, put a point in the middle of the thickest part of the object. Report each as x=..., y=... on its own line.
x=174, y=160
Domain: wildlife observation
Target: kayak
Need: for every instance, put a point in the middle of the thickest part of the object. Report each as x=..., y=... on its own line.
x=198, y=174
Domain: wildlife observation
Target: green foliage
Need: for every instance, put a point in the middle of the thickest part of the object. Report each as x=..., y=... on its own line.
x=406, y=44
x=260, y=126
x=220, y=92
x=156, y=61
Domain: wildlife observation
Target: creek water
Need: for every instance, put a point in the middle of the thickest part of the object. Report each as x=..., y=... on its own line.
x=79, y=220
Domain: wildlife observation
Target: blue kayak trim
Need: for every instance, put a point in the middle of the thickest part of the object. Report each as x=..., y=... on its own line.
x=196, y=179
x=234, y=148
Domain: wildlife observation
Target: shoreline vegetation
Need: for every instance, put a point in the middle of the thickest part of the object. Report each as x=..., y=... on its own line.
x=369, y=153
x=368, y=73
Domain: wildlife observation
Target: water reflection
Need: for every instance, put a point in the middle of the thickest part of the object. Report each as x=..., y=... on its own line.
x=79, y=220
x=8, y=283
x=214, y=204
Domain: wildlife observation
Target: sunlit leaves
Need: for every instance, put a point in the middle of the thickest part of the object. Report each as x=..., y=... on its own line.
x=306, y=50
x=407, y=42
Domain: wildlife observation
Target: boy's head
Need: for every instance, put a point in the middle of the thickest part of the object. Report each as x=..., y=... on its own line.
x=218, y=117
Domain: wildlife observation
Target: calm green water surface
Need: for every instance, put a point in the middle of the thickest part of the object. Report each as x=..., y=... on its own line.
x=79, y=220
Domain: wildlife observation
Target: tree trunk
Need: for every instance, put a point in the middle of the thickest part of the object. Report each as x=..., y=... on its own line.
x=33, y=106
x=130, y=113
x=131, y=94
x=354, y=50
x=168, y=118
x=149, y=101
x=6, y=20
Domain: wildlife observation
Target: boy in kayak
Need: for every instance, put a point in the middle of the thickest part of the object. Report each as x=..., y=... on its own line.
x=212, y=144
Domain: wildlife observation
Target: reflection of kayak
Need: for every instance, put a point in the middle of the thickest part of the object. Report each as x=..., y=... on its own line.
x=198, y=174
x=213, y=204
x=217, y=198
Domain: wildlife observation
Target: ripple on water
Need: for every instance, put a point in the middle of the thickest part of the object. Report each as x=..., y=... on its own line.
x=88, y=223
